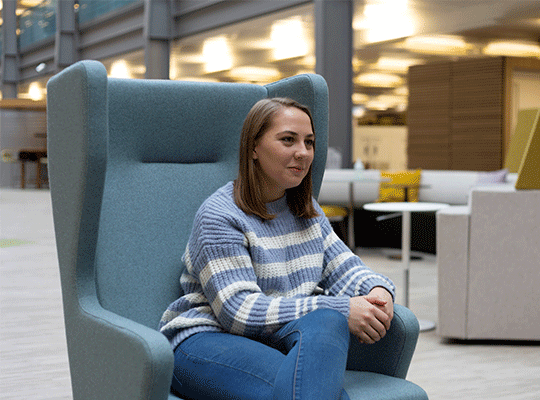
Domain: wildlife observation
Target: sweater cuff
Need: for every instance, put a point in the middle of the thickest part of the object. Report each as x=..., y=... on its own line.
x=373, y=283
x=338, y=303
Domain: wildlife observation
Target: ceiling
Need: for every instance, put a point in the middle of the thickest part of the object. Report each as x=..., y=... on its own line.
x=383, y=31
x=279, y=45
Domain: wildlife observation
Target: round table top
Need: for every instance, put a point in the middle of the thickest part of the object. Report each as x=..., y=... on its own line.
x=405, y=206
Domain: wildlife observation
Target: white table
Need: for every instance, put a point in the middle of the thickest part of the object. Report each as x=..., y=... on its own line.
x=406, y=208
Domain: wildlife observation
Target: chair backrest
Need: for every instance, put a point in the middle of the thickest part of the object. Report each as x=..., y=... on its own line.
x=130, y=162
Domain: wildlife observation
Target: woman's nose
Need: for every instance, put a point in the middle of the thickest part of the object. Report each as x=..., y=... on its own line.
x=301, y=151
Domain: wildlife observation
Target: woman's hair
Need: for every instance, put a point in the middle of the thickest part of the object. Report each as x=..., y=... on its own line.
x=248, y=193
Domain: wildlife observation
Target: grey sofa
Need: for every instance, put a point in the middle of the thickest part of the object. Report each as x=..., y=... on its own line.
x=488, y=255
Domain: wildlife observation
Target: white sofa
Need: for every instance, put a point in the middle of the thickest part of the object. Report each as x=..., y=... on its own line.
x=488, y=257
x=452, y=187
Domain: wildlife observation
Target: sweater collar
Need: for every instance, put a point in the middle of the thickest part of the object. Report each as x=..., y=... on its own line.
x=278, y=205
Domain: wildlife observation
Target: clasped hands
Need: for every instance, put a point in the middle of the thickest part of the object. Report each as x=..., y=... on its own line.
x=370, y=316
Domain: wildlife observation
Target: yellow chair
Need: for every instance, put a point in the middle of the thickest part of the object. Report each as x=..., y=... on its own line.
x=403, y=186
x=337, y=215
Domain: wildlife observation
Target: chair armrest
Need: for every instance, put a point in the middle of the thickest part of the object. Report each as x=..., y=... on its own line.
x=392, y=354
x=111, y=356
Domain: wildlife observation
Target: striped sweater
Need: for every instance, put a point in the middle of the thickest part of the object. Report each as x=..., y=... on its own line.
x=249, y=277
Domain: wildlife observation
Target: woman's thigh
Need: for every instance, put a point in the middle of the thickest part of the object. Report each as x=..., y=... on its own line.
x=212, y=365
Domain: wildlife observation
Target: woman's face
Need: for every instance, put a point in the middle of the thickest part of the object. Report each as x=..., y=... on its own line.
x=284, y=152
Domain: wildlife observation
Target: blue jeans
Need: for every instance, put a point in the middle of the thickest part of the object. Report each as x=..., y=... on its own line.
x=305, y=359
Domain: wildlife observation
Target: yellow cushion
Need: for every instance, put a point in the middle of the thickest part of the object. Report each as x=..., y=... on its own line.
x=393, y=191
x=334, y=213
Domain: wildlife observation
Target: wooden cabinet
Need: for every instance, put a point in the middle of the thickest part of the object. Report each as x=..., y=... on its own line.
x=459, y=115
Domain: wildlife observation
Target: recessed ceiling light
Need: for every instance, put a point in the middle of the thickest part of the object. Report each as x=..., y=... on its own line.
x=512, y=48
x=374, y=79
x=217, y=54
x=439, y=44
x=393, y=64
x=254, y=74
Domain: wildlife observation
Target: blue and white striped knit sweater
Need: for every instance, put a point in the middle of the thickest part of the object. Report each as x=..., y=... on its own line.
x=250, y=277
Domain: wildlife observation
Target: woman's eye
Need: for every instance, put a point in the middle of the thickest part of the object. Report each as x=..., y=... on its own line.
x=310, y=143
x=288, y=139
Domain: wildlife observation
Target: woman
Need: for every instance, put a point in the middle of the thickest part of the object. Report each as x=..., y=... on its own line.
x=271, y=294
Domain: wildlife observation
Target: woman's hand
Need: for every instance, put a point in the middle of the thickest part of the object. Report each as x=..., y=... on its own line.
x=370, y=316
x=380, y=293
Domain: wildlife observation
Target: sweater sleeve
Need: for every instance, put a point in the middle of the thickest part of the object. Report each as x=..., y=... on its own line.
x=219, y=258
x=344, y=273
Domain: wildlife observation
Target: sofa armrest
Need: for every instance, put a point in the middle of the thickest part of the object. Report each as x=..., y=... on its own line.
x=453, y=268
x=392, y=354
x=114, y=356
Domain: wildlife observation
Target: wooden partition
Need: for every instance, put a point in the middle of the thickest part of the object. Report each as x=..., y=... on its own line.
x=459, y=115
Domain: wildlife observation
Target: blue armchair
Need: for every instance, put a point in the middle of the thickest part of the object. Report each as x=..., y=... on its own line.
x=130, y=162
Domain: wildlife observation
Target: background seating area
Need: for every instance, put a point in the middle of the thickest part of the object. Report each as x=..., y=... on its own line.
x=452, y=187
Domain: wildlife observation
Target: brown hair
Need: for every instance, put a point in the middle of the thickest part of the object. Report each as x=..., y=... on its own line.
x=247, y=190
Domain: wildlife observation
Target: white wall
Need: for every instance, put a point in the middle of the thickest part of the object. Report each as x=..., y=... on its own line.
x=383, y=147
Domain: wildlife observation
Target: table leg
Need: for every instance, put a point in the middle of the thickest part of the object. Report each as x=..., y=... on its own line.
x=406, y=253
x=23, y=174
x=350, y=220
x=38, y=174
x=425, y=325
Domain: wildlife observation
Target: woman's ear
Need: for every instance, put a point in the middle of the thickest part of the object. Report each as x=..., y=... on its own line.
x=255, y=156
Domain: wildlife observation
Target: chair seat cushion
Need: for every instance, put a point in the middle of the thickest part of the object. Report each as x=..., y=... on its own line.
x=372, y=386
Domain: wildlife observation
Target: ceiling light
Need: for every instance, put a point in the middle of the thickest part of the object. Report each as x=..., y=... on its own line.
x=289, y=38
x=41, y=67
x=401, y=65
x=401, y=91
x=254, y=74
x=385, y=20
x=35, y=92
x=197, y=79
x=385, y=102
x=512, y=48
x=377, y=105
x=217, y=54
x=120, y=69
x=374, y=79
x=358, y=111
x=359, y=98
x=442, y=44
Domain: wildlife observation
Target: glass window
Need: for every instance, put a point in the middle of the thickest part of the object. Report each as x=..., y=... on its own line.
x=90, y=9
x=260, y=50
x=37, y=23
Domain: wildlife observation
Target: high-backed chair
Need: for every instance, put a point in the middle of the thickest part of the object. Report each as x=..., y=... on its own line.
x=130, y=163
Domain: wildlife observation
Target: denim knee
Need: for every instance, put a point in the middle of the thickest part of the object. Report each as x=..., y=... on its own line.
x=333, y=319
x=329, y=323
